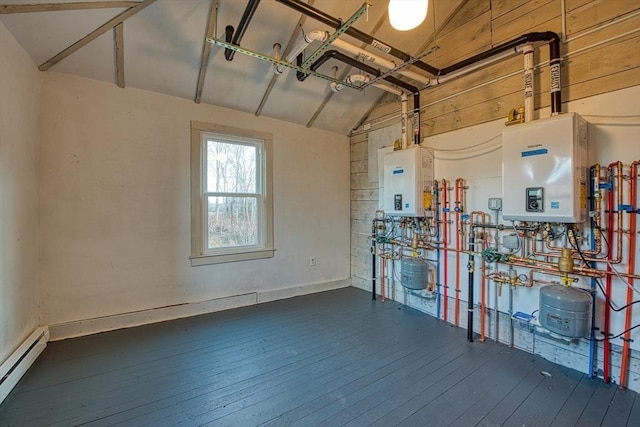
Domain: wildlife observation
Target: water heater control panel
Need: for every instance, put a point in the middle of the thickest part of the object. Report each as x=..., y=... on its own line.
x=535, y=199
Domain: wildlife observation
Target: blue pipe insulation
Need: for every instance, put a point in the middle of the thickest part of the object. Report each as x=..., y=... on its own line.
x=592, y=341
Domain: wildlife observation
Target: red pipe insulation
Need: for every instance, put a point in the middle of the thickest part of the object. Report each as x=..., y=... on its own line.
x=445, y=233
x=633, y=195
x=458, y=238
x=606, y=361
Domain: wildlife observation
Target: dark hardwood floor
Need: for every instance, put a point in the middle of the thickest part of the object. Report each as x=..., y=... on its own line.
x=333, y=359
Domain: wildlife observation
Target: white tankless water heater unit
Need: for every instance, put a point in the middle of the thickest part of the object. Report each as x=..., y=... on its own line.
x=408, y=180
x=544, y=170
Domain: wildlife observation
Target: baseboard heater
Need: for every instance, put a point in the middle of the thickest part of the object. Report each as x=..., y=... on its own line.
x=20, y=360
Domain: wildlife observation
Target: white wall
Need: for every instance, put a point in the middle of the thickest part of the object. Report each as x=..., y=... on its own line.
x=19, y=114
x=115, y=207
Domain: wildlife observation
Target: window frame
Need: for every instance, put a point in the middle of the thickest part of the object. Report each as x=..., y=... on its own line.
x=200, y=254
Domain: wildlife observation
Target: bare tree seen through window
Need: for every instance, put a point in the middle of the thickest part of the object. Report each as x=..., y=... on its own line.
x=232, y=194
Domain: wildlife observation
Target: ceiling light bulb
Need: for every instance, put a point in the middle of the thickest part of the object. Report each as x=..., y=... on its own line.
x=407, y=14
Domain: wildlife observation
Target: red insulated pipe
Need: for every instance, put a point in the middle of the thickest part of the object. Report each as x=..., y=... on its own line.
x=606, y=359
x=633, y=196
x=445, y=232
x=458, y=237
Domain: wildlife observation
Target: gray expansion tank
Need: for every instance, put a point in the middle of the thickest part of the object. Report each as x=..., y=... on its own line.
x=414, y=273
x=565, y=311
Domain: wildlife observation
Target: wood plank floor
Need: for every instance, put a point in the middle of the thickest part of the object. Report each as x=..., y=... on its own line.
x=332, y=359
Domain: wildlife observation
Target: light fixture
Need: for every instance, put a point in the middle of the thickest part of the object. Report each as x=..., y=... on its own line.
x=407, y=14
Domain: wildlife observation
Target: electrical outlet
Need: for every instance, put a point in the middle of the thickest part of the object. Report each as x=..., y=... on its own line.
x=312, y=261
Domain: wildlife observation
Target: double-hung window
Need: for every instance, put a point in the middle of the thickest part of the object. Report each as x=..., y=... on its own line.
x=231, y=202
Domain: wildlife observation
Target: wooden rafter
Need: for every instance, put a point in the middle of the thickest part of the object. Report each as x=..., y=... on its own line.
x=55, y=7
x=274, y=77
x=206, y=49
x=110, y=24
x=119, y=42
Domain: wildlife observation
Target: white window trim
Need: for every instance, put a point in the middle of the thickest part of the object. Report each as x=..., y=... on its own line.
x=198, y=255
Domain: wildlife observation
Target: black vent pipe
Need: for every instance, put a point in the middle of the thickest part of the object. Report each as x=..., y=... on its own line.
x=228, y=33
x=334, y=54
x=329, y=20
x=242, y=27
x=554, y=61
x=471, y=268
x=373, y=260
x=375, y=72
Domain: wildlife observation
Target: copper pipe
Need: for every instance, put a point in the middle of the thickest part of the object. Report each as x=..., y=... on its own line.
x=633, y=195
x=483, y=281
x=582, y=271
x=445, y=230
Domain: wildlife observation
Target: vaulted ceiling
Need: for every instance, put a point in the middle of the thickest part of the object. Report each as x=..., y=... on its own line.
x=162, y=50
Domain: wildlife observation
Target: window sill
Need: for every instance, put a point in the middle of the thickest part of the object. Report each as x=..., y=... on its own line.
x=198, y=260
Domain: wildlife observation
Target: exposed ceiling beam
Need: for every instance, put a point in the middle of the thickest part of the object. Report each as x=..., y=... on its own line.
x=423, y=48
x=120, y=54
x=55, y=7
x=344, y=74
x=287, y=49
x=95, y=34
x=212, y=23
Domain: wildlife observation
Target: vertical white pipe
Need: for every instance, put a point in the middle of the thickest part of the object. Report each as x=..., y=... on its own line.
x=277, y=54
x=528, y=83
x=405, y=115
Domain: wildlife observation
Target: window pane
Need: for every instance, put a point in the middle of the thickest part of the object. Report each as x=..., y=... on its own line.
x=232, y=221
x=231, y=168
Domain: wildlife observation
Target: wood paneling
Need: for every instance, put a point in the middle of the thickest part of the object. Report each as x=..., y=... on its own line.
x=470, y=10
x=455, y=46
x=546, y=17
x=596, y=12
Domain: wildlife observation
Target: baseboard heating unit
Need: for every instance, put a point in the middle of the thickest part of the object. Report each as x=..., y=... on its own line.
x=20, y=360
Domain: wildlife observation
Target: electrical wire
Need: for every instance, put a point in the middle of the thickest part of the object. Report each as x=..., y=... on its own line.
x=606, y=297
x=605, y=260
x=466, y=148
x=615, y=336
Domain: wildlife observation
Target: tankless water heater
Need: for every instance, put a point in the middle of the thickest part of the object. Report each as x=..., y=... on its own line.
x=408, y=181
x=544, y=170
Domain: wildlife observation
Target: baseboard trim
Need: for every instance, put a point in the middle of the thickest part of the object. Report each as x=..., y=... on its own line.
x=20, y=360
x=295, y=291
x=78, y=328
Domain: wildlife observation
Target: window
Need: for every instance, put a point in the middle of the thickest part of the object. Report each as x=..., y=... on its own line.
x=231, y=202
